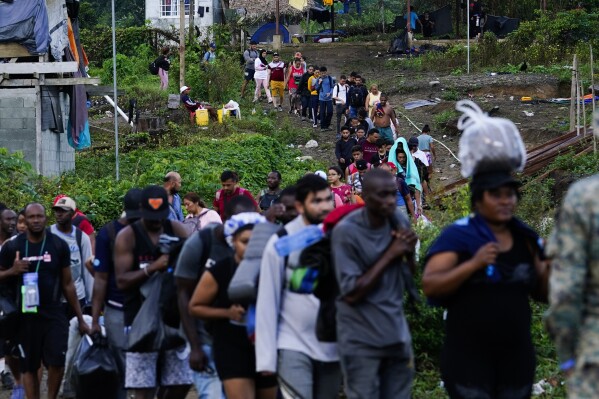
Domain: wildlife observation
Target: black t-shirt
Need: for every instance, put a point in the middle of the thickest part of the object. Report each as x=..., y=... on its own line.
x=54, y=256
x=495, y=314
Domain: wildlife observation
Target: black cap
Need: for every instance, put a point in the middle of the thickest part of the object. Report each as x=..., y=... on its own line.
x=275, y=54
x=131, y=203
x=154, y=203
x=413, y=141
x=490, y=179
x=361, y=164
x=253, y=42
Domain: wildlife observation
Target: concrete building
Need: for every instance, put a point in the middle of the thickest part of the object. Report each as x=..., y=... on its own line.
x=165, y=13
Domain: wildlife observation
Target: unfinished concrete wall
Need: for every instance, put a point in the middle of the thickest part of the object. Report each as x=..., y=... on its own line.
x=20, y=130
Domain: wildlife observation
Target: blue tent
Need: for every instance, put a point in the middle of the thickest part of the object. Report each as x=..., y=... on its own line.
x=265, y=33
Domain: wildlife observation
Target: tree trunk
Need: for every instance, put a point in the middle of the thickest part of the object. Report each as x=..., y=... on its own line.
x=191, y=21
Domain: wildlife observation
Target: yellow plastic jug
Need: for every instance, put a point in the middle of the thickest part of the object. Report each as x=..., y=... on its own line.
x=202, y=117
x=222, y=114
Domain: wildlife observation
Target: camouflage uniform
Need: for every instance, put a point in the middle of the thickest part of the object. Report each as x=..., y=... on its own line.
x=573, y=315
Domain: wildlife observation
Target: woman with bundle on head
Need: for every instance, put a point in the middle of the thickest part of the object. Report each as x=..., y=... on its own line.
x=484, y=267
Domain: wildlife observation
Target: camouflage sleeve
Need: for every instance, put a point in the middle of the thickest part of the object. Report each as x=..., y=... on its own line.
x=568, y=246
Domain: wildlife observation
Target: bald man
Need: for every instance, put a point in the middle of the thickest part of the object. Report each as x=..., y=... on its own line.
x=172, y=185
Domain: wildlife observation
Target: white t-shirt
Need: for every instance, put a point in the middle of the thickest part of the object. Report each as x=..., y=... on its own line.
x=261, y=70
x=340, y=92
x=82, y=278
x=422, y=156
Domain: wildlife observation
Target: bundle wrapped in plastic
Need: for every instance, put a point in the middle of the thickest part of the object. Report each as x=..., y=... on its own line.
x=488, y=140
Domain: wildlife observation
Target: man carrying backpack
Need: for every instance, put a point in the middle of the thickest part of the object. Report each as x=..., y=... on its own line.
x=324, y=85
x=106, y=295
x=206, y=247
x=375, y=345
x=357, y=97
x=286, y=341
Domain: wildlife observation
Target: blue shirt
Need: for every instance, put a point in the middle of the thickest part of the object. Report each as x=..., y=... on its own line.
x=175, y=212
x=104, y=264
x=413, y=19
x=325, y=89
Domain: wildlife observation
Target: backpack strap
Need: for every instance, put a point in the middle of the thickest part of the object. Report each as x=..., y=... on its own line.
x=78, y=238
x=111, y=230
x=282, y=233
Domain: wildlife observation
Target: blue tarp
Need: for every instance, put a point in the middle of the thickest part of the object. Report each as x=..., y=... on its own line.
x=25, y=22
x=265, y=33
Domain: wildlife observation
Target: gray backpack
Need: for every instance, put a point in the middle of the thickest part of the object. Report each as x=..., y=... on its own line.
x=243, y=288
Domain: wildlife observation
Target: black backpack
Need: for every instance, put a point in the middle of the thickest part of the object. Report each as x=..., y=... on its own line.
x=153, y=67
x=356, y=97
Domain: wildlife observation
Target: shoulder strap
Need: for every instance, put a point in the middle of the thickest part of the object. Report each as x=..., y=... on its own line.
x=282, y=233
x=78, y=238
x=111, y=230
x=206, y=239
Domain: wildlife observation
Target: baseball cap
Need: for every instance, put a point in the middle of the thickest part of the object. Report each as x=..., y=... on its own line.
x=361, y=164
x=183, y=88
x=253, y=42
x=66, y=203
x=490, y=179
x=392, y=165
x=212, y=45
x=275, y=54
x=154, y=203
x=131, y=203
x=413, y=141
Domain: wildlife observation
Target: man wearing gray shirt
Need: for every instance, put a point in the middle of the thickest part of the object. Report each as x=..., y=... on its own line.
x=369, y=247
x=249, y=56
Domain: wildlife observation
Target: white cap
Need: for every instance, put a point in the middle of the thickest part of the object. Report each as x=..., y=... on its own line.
x=183, y=88
x=321, y=173
x=66, y=203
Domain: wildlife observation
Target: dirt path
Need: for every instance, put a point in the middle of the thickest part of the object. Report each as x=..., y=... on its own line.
x=545, y=122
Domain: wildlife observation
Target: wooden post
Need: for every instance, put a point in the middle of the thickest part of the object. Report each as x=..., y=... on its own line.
x=577, y=106
x=573, y=94
x=594, y=116
x=191, y=21
x=409, y=26
x=277, y=17
x=332, y=22
x=382, y=7
x=584, y=111
x=181, y=43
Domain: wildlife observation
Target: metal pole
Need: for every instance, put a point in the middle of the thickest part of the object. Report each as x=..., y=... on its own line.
x=116, y=114
x=277, y=17
x=468, y=37
x=181, y=43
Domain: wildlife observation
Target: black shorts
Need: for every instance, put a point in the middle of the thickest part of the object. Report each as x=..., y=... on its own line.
x=42, y=338
x=248, y=74
x=235, y=357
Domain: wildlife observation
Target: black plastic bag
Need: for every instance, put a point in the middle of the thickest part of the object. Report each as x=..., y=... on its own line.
x=148, y=332
x=96, y=371
x=147, y=329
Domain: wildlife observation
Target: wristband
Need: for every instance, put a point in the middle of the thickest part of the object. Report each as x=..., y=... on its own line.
x=568, y=364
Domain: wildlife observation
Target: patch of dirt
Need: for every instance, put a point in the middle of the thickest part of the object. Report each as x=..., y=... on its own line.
x=504, y=91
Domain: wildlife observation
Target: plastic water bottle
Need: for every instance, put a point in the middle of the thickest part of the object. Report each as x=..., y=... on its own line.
x=492, y=273
x=300, y=240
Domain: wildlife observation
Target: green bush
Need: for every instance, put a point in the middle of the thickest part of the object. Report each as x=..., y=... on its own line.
x=98, y=42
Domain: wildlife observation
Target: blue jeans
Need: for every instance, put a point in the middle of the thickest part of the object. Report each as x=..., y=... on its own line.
x=326, y=114
x=305, y=105
x=377, y=377
x=206, y=382
x=353, y=112
x=307, y=378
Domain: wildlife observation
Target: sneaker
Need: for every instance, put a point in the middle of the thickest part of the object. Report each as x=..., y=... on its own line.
x=18, y=392
x=280, y=109
x=328, y=129
x=315, y=125
x=7, y=380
